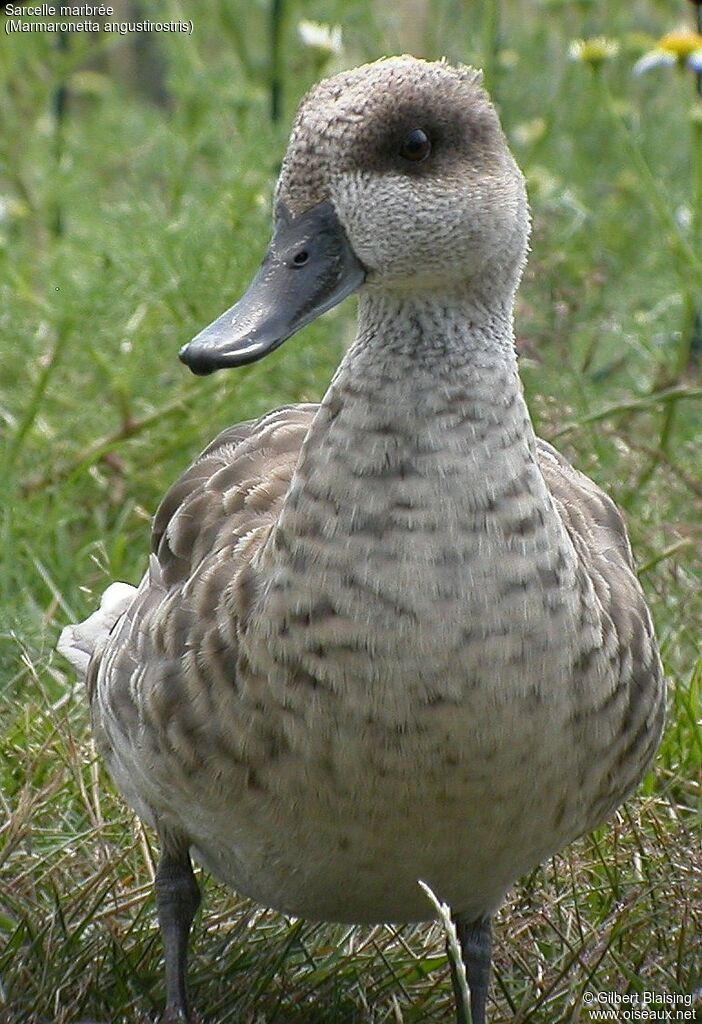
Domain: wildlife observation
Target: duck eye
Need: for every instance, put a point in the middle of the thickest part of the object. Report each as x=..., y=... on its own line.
x=416, y=146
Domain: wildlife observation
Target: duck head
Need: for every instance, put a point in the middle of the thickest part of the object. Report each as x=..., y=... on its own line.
x=397, y=177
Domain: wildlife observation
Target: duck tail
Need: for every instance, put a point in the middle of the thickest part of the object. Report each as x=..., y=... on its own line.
x=78, y=643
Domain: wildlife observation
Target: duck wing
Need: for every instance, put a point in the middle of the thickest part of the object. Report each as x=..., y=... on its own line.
x=156, y=683
x=598, y=533
x=237, y=484
x=592, y=519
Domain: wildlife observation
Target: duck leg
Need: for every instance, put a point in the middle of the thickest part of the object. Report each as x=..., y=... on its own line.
x=476, y=946
x=177, y=899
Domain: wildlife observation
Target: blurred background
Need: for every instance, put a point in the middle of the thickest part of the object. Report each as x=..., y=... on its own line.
x=136, y=173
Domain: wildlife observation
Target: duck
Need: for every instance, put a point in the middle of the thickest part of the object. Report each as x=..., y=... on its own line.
x=392, y=637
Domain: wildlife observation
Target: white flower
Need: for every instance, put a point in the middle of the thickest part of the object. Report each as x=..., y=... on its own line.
x=594, y=51
x=324, y=39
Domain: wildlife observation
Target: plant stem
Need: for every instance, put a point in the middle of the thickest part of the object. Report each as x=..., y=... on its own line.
x=59, y=101
x=646, y=404
x=102, y=446
x=35, y=402
x=275, y=63
x=686, y=261
x=661, y=556
x=692, y=339
x=491, y=36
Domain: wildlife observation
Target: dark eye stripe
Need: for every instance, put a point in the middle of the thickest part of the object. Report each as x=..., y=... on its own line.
x=416, y=146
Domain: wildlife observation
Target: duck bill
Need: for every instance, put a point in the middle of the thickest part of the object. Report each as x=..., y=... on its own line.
x=309, y=267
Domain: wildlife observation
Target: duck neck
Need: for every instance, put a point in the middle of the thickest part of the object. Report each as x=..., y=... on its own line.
x=424, y=428
x=417, y=503
x=429, y=391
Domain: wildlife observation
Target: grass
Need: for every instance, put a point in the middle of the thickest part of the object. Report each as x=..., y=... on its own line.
x=127, y=226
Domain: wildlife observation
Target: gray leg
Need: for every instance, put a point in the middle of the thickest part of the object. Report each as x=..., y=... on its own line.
x=177, y=899
x=476, y=947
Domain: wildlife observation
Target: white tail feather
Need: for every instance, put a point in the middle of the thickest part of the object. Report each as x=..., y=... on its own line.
x=79, y=642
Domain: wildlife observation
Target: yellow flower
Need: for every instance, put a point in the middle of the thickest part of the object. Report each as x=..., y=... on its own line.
x=682, y=47
x=682, y=43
